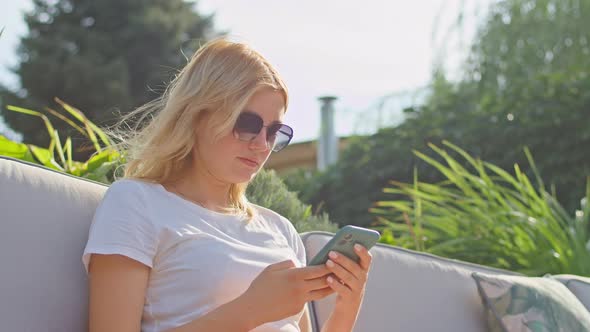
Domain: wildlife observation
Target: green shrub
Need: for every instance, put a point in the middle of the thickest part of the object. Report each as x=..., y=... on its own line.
x=483, y=214
x=301, y=181
x=268, y=190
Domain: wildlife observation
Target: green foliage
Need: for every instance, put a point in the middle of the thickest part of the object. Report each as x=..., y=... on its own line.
x=99, y=167
x=526, y=83
x=268, y=190
x=483, y=214
x=300, y=181
x=102, y=56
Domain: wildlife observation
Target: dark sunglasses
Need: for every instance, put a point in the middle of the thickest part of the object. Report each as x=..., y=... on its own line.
x=249, y=125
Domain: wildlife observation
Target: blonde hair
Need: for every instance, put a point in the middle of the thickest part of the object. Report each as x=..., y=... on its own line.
x=218, y=80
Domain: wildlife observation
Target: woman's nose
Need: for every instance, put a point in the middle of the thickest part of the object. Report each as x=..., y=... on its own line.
x=259, y=142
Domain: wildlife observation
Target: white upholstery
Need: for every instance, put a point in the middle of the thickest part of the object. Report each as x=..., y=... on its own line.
x=44, y=220
x=580, y=286
x=412, y=291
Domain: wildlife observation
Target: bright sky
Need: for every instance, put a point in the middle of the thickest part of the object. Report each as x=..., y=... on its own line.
x=357, y=51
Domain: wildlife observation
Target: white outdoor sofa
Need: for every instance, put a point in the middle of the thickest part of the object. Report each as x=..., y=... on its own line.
x=45, y=216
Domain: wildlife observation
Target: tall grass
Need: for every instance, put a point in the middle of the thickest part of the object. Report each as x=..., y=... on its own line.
x=484, y=214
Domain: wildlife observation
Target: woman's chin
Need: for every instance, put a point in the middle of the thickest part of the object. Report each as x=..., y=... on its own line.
x=244, y=176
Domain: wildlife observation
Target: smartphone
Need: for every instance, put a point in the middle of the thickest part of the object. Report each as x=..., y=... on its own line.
x=343, y=242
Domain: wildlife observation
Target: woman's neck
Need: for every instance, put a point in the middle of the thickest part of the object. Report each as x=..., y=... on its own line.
x=208, y=192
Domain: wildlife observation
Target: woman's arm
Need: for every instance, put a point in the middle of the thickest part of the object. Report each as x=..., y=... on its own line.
x=227, y=317
x=117, y=286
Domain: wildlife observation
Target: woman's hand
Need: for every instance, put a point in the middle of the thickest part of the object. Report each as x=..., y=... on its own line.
x=348, y=279
x=281, y=290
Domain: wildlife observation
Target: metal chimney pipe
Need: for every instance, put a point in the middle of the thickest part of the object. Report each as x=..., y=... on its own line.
x=328, y=142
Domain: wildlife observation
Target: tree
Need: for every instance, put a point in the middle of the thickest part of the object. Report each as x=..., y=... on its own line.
x=526, y=83
x=101, y=56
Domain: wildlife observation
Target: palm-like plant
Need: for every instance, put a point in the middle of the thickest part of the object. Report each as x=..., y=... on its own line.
x=485, y=215
x=59, y=157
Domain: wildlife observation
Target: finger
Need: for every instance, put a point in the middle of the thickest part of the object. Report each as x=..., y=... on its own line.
x=347, y=264
x=315, y=284
x=342, y=274
x=281, y=265
x=340, y=288
x=365, y=256
x=312, y=272
x=320, y=294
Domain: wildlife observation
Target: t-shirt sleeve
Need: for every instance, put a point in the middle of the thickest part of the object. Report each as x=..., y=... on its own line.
x=121, y=225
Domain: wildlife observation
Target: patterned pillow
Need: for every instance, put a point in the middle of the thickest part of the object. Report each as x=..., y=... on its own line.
x=527, y=304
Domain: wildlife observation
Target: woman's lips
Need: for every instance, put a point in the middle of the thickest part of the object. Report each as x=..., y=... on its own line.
x=248, y=162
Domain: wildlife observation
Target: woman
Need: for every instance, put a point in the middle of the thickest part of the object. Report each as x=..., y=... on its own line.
x=175, y=245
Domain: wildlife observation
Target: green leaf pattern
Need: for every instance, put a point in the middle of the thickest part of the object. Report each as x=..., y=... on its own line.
x=537, y=305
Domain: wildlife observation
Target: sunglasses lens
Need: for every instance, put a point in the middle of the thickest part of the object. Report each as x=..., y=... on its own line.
x=282, y=137
x=248, y=126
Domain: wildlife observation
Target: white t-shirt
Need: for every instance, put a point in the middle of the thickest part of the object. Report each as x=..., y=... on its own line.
x=199, y=258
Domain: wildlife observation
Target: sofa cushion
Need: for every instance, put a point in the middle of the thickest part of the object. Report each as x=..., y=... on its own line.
x=411, y=291
x=45, y=217
x=530, y=304
x=580, y=286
